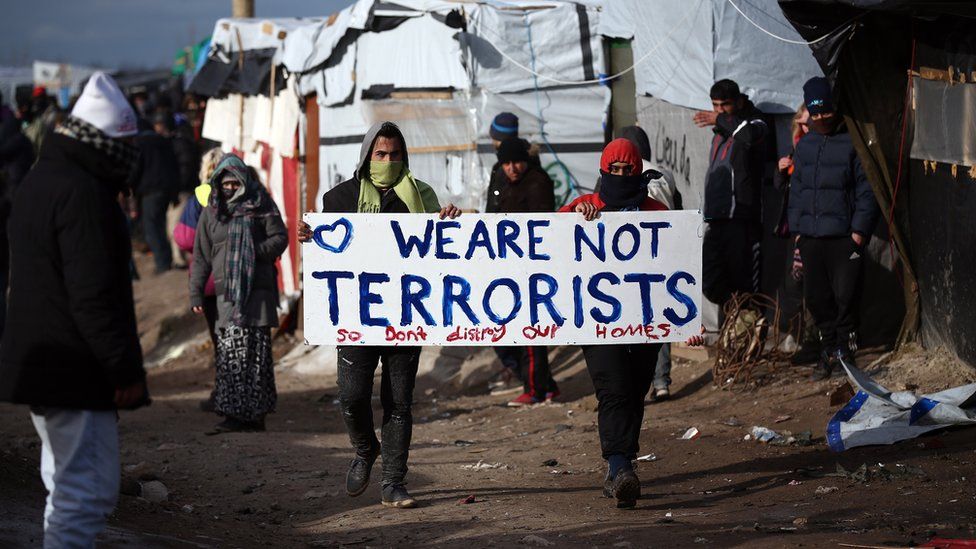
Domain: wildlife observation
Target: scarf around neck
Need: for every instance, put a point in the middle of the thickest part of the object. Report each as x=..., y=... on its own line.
x=419, y=198
x=251, y=202
x=123, y=155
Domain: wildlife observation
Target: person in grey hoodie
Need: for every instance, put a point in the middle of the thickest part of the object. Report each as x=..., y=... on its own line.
x=239, y=237
x=382, y=183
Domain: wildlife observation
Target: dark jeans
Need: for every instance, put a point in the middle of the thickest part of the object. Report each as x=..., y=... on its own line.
x=621, y=375
x=531, y=365
x=730, y=259
x=154, y=226
x=662, y=370
x=832, y=277
x=356, y=368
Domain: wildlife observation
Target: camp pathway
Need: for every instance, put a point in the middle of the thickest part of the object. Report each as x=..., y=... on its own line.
x=285, y=487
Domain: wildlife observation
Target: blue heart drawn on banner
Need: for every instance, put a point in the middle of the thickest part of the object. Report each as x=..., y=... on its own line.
x=317, y=235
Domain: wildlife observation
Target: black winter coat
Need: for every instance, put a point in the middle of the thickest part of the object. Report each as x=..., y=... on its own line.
x=829, y=193
x=71, y=336
x=533, y=193
x=736, y=166
x=159, y=170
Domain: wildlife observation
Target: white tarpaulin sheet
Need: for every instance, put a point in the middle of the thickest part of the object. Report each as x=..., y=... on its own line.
x=565, y=45
x=697, y=42
x=878, y=416
x=419, y=53
x=513, y=279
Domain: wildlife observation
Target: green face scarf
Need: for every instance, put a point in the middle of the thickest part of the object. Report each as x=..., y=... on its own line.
x=419, y=198
x=385, y=174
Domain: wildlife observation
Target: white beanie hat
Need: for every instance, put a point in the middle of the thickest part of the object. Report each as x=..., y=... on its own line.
x=102, y=105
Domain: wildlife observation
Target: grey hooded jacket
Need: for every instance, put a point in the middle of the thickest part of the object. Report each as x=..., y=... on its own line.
x=344, y=197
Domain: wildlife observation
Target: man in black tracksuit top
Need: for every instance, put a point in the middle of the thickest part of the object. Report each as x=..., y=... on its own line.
x=833, y=212
x=733, y=184
x=382, y=184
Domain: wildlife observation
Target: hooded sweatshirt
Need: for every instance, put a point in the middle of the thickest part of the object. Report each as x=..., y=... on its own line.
x=344, y=197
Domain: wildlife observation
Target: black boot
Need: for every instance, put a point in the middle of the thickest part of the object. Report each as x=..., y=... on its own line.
x=824, y=367
x=626, y=488
x=357, y=478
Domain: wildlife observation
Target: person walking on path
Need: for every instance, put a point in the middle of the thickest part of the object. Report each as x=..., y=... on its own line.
x=621, y=374
x=833, y=213
x=71, y=349
x=158, y=182
x=523, y=188
x=383, y=183
x=663, y=189
x=239, y=236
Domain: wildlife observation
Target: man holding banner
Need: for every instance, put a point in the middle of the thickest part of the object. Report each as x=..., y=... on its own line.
x=618, y=286
x=382, y=183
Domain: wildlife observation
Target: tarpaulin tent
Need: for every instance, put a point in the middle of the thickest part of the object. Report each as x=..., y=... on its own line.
x=679, y=49
x=904, y=73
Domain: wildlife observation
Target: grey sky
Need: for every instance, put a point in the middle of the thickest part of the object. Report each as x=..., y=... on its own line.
x=123, y=33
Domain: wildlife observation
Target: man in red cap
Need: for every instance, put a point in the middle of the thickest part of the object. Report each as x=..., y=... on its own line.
x=621, y=374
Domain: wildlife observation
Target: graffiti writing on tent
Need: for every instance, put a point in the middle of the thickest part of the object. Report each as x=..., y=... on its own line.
x=452, y=291
x=671, y=154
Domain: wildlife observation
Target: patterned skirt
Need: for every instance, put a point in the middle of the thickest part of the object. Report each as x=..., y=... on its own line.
x=245, y=386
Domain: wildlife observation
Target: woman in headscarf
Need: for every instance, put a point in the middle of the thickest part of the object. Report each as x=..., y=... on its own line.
x=621, y=374
x=239, y=236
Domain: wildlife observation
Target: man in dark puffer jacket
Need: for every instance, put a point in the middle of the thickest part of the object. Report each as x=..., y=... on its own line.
x=833, y=212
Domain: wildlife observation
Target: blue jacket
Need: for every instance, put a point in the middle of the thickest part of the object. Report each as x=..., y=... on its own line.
x=829, y=193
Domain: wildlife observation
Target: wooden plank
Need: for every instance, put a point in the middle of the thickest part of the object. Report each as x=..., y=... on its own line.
x=442, y=148
x=311, y=152
x=421, y=95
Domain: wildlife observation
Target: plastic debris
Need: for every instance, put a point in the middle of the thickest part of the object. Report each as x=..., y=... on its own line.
x=648, y=457
x=823, y=490
x=691, y=434
x=482, y=466
x=468, y=500
x=765, y=434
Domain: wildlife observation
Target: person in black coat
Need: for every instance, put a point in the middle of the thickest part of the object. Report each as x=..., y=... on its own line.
x=157, y=183
x=518, y=186
x=71, y=350
x=732, y=204
x=832, y=212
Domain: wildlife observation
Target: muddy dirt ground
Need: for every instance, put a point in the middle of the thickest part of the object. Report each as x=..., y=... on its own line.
x=284, y=488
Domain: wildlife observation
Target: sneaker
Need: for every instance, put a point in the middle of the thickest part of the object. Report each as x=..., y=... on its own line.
x=824, y=367
x=552, y=395
x=526, y=399
x=662, y=394
x=395, y=495
x=626, y=488
x=357, y=478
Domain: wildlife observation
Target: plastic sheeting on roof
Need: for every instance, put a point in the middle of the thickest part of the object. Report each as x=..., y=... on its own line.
x=561, y=42
x=698, y=42
x=419, y=53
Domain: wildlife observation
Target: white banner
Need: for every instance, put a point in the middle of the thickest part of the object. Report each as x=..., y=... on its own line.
x=502, y=279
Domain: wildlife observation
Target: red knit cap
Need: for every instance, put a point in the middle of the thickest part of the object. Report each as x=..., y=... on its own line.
x=621, y=150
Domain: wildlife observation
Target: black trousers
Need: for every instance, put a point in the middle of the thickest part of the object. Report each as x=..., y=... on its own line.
x=356, y=368
x=622, y=375
x=154, y=225
x=531, y=365
x=731, y=259
x=832, y=276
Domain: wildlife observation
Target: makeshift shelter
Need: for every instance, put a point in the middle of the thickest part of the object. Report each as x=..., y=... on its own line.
x=904, y=74
x=443, y=69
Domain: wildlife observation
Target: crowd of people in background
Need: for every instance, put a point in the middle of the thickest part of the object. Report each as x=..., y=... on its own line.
x=117, y=170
